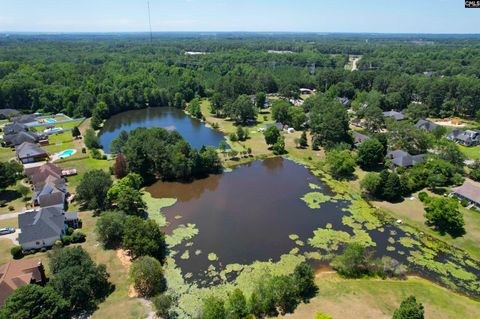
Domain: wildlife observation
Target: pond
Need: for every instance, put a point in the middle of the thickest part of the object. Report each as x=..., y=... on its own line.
x=193, y=131
x=266, y=209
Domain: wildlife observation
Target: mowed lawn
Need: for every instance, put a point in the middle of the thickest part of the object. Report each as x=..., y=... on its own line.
x=412, y=211
x=378, y=299
x=118, y=305
x=472, y=153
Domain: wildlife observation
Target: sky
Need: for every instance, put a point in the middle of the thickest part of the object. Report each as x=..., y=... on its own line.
x=378, y=16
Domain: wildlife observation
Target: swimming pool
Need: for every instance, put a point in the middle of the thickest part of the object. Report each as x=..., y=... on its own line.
x=50, y=120
x=66, y=153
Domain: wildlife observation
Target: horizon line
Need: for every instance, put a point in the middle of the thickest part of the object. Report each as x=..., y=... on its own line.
x=238, y=31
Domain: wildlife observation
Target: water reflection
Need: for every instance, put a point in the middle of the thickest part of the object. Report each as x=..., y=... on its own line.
x=194, y=131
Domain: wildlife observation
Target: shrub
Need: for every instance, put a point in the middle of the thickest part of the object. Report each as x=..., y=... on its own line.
x=58, y=243
x=43, y=249
x=66, y=240
x=422, y=196
x=78, y=237
x=464, y=202
x=162, y=304
x=16, y=252
x=147, y=275
x=69, y=231
x=233, y=137
x=11, y=208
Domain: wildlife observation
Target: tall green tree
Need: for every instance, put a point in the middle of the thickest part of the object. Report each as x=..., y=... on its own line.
x=92, y=189
x=271, y=135
x=34, y=302
x=144, y=238
x=370, y=154
x=110, y=227
x=78, y=279
x=329, y=123
x=444, y=216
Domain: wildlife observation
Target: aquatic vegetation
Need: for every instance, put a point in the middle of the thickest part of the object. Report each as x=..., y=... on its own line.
x=178, y=217
x=293, y=236
x=408, y=242
x=227, y=170
x=314, y=199
x=390, y=248
x=313, y=186
x=185, y=255
x=362, y=237
x=391, y=240
x=328, y=239
x=294, y=251
x=212, y=257
x=155, y=205
x=362, y=213
x=198, y=252
x=328, y=226
x=181, y=234
x=299, y=243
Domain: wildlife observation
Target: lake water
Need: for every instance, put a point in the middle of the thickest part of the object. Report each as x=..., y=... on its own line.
x=193, y=131
x=249, y=214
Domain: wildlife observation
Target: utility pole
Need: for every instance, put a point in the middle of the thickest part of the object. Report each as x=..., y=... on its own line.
x=149, y=21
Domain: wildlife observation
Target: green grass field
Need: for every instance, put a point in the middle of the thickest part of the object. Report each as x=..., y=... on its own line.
x=374, y=299
x=472, y=153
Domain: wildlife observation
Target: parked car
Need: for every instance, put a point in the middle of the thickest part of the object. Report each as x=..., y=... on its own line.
x=6, y=231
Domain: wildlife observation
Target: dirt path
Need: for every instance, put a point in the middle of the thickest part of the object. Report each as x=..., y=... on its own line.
x=355, y=64
x=126, y=262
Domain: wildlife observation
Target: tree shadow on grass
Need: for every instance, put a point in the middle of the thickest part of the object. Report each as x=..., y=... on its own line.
x=8, y=196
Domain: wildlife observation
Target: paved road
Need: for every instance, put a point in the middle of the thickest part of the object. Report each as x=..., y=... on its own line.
x=9, y=215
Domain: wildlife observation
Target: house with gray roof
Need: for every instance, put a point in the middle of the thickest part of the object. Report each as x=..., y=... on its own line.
x=359, y=138
x=24, y=119
x=469, y=191
x=7, y=113
x=466, y=138
x=426, y=125
x=30, y=153
x=14, y=128
x=400, y=158
x=397, y=116
x=41, y=228
x=19, y=138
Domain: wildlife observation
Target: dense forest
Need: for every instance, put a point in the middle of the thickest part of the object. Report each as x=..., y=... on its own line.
x=100, y=75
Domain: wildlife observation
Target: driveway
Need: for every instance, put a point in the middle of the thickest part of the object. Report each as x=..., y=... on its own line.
x=9, y=215
x=13, y=237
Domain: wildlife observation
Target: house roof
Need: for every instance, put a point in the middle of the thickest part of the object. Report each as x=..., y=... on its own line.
x=397, y=116
x=21, y=137
x=41, y=224
x=41, y=177
x=55, y=198
x=469, y=190
x=8, y=112
x=345, y=101
x=24, y=119
x=51, y=182
x=359, y=138
x=14, y=128
x=18, y=273
x=49, y=167
x=426, y=125
x=278, y=125
x=403, y=159
x=27, y=149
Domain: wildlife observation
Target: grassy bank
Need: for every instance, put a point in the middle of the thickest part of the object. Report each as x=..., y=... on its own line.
x=373, y=299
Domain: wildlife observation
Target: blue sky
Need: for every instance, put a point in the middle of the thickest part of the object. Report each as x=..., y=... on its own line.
x=383, y=16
